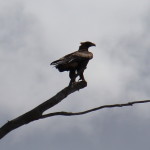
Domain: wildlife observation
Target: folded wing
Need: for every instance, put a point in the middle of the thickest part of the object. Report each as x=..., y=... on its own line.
x=71, y=61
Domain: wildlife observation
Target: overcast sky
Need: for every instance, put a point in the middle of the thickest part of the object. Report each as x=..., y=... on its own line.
x=34, y=33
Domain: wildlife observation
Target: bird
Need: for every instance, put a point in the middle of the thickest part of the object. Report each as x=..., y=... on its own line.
x=75, y=62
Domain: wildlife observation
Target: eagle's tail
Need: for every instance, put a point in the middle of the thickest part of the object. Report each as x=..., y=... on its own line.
x=59, y=64
x=55, y=62
x=61, y=68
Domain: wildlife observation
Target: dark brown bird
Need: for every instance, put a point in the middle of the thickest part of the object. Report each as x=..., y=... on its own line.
x=75, y=62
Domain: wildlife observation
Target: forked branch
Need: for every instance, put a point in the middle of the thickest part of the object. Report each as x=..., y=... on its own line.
x=37, y=112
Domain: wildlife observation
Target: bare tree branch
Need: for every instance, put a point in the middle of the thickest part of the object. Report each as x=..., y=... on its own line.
x=62, y=113
x=37, y=112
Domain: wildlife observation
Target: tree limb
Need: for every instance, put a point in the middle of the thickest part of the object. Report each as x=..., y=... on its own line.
x=37, y=112
x=63, y=113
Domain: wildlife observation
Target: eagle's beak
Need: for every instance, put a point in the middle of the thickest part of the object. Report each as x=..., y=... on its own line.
x=92, y=44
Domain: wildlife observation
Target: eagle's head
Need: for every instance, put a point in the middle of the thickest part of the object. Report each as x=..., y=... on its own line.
x=86, y=45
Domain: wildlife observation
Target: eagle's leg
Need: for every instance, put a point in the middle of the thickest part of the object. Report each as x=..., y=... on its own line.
x=81, y=77
x=80, y=74
x=72, y=76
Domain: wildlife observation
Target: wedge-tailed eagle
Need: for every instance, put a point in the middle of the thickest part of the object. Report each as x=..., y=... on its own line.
x=75, y=62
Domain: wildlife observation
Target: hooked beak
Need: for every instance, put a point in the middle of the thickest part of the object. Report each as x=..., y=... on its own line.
x=92, y=44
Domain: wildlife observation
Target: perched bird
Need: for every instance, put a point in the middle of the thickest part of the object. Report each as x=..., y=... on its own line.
x=75, y=62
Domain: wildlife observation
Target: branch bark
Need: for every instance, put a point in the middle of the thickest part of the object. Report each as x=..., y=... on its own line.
x=37, y=112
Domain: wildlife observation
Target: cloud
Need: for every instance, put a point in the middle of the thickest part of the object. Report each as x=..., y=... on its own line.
x=20, y=48
x=34, y=33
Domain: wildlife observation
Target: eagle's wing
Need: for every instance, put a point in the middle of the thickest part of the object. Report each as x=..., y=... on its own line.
x=73, y=57
x=63, y=60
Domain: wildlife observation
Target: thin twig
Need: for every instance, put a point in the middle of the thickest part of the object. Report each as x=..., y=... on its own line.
x=62, y=113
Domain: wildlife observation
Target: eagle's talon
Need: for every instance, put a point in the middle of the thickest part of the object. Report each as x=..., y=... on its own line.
x=72, y=83
x=79, y=79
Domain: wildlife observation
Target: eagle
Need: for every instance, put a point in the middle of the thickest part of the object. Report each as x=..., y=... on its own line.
x=75, y=62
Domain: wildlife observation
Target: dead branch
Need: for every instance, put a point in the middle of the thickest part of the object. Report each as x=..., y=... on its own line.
x=63, y=113
x=37, y=112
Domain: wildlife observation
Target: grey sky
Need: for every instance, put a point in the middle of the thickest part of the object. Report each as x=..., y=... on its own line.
x=34, y=33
